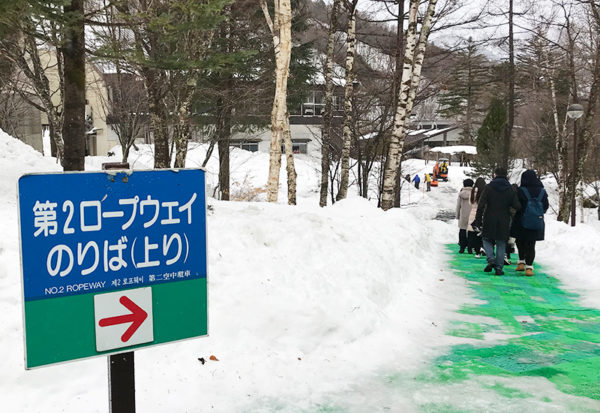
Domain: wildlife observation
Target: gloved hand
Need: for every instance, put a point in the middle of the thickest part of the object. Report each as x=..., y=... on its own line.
x=476, y=227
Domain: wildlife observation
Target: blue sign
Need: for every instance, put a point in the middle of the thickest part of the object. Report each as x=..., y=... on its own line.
x=90, y=232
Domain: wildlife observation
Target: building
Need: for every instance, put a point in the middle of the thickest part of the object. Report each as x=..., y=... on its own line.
x=34, y=123
x=21, y=120
x=305, y=125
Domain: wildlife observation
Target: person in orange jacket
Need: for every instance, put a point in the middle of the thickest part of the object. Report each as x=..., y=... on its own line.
x=436, y=170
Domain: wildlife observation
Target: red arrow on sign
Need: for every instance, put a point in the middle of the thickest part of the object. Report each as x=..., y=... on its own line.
x=136, y=318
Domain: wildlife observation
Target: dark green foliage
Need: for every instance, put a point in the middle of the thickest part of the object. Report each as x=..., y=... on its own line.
x=465, y=89
x=170, y=35
x=490, y=140
x=241, y=50
x=244, y=81
x=302, y=69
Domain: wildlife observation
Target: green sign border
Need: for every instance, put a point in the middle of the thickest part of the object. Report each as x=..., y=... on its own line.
x=63, y=329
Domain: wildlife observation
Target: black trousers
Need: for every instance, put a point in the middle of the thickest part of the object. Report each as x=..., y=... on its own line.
x=474, y=242
x=428, y=186
x=416, y=184
x=462, y=239
x=526, y=251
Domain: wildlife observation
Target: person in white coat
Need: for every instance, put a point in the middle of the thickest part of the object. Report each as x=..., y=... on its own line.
x=463, y=211
x=474, y=241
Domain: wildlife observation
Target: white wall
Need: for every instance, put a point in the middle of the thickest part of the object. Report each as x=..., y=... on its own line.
x=311, y=132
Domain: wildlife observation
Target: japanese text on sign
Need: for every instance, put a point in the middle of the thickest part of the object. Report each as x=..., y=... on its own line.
x=85, y=258
x=103, y=232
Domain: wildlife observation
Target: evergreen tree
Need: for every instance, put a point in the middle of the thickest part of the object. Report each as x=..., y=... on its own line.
x=465, y=89
x=237, y=95
x=490, y=140
x=168, y=45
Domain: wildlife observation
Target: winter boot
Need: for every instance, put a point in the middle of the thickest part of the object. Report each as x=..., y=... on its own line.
x=529, y=270
x=498, y=271
x=520, y=265
x=489, y=268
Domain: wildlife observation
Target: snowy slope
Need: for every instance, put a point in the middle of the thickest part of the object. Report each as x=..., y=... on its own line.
x=307, y=305
x=303, y=302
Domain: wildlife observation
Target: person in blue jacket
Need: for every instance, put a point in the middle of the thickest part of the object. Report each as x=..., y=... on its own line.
x=526, y=238
x=417, y=181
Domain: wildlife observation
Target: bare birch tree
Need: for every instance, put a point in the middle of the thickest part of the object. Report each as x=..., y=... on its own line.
x=328, y=110
x=124, y=107
x=415, y=45
x=281, y=30
x=33, y=51
x=348, y=98
x=592, y=9
x=582, y=56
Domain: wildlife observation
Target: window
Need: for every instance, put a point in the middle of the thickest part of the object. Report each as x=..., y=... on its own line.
x=247, y=146
x=250, y=146
x=338, y=103
x=297, y=148
x=313, y=104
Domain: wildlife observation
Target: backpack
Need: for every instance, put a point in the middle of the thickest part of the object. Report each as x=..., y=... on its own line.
x=533, y=216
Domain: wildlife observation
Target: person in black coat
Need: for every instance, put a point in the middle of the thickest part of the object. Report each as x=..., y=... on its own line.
x=494, y=216
x=526, y=238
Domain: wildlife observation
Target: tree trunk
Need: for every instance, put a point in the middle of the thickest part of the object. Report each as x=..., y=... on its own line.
x=223, y=140
x=73, y=52
x=328, y=110
x=561, y=150
x=411, y=74
x=365, y=181
x=359, y=164
x=125, y=149
x=181, y=144
x=57, y=146
x=282, y=42
x=289, y=161
x=162, y=158
x=511, y=89
x=348, y=99
x=396, y=91
x=211, y=147
x=158, y=118
x=398, y=197
x=184, y=129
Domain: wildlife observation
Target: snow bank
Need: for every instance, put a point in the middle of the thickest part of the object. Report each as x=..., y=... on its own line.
x=18, y=158
x=451, y=150
x=573, y=255
x=308, y=306
x=248, y=170
x=304, y=302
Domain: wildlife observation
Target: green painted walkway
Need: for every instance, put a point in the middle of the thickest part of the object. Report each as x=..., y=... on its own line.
x=523, y=333
x=520, y=344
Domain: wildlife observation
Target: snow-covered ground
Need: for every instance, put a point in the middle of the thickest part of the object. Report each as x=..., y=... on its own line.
x=308, y=306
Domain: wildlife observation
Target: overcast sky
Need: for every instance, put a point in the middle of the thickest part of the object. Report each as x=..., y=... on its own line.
x=492, y=26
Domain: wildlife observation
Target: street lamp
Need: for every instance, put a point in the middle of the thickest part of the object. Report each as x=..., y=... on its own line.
x=574, y=111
